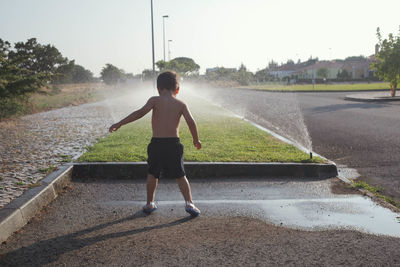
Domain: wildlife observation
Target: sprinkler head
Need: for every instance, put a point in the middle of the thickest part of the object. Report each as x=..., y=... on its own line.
x=310, y=155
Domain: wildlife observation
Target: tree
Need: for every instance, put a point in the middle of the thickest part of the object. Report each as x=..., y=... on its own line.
x=161, y=65
x=111, y=75
x=129, y=76
x=147, y=74
x=4, y=48
x=186, y=65
x=73, y=73
x=272, y=65
x=242, y=76
x=81, y=75
x=37, y=58
x=65, y=73
x=387, y=61
x=356, y=58
x=29, y=66
x=289, y=62
x=263, y=75
x=183, y=65
x=15, y=82
x=343, y=75
x=220, y=73
x=322, y=73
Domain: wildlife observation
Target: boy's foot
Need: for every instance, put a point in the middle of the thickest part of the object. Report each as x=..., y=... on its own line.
x=149, y=208
x=191, y=209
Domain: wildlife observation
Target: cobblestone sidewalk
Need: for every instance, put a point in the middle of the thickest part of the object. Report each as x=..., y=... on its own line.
x=33, y=146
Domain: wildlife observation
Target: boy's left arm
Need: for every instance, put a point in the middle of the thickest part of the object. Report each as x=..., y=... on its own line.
x=134, y=115
x=192, y=126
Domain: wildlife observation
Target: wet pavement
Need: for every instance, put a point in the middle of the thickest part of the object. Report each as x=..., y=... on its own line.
x=99, y=222
x=34, y=145
x=359, y=135
x=300, y=204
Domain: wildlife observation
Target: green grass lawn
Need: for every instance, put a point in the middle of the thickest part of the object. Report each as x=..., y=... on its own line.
x=322, y=87
x=225, y=138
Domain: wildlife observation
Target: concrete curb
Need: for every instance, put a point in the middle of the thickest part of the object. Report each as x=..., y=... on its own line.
x=17, y=213
x=358, y=99
x=313, y=91
x=138, y=170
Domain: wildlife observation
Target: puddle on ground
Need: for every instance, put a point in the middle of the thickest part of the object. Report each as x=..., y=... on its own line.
x=349, y=213
x=347, y=174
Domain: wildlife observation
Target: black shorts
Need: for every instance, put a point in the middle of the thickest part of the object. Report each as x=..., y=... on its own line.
x=165, y=158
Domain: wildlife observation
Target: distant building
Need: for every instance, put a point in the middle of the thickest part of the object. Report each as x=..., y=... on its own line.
x=217, y=69
x=357, y=67
x=283, y=71
x=311, y=71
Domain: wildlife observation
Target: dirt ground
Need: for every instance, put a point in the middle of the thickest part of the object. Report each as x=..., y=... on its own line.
x=204, y=241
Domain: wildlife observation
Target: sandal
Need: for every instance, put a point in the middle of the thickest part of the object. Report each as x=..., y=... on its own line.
x=149, y=208
x=191, y=209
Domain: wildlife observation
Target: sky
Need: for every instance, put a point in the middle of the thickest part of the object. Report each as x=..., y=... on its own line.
x=215, y=33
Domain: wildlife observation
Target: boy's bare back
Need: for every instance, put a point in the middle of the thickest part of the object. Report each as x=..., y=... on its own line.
x=166, y=114
x=167, y=111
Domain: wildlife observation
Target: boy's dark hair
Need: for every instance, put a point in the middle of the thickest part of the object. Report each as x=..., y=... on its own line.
x=168, y=80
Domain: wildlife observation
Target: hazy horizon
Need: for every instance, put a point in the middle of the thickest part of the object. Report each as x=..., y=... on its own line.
x=213, y=33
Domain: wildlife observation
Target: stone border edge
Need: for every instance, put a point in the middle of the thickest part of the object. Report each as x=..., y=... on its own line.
x=18, y=212
x=314, y=91
x=138, y=170
x=358, y=99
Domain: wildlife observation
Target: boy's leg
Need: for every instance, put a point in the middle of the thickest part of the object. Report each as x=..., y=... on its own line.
x=151, y=188
x=184, y=186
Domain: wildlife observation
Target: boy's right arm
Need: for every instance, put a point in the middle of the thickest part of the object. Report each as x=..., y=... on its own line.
x=134, y=115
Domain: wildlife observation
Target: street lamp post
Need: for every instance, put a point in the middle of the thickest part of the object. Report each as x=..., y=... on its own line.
x=152, y=40
x=163, y=23
x=169, y=51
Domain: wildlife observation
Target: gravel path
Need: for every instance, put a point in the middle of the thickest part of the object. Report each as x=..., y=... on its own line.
x=33, y=145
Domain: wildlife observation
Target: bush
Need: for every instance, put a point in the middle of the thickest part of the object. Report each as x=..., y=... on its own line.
x=10, y=106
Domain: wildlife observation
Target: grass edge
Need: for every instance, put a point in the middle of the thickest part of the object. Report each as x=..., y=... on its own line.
x=374, y=191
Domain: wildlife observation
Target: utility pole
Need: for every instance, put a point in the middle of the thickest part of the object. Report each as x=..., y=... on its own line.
x=163, y=24
x=152, y=41
x=169, y=51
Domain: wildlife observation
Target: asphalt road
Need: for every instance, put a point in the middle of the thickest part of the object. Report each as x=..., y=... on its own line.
x=361, y=135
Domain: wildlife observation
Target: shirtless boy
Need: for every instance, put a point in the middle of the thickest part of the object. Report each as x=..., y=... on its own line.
x=165, y=152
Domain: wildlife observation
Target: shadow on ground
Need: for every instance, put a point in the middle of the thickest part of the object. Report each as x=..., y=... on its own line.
x=48, y=251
